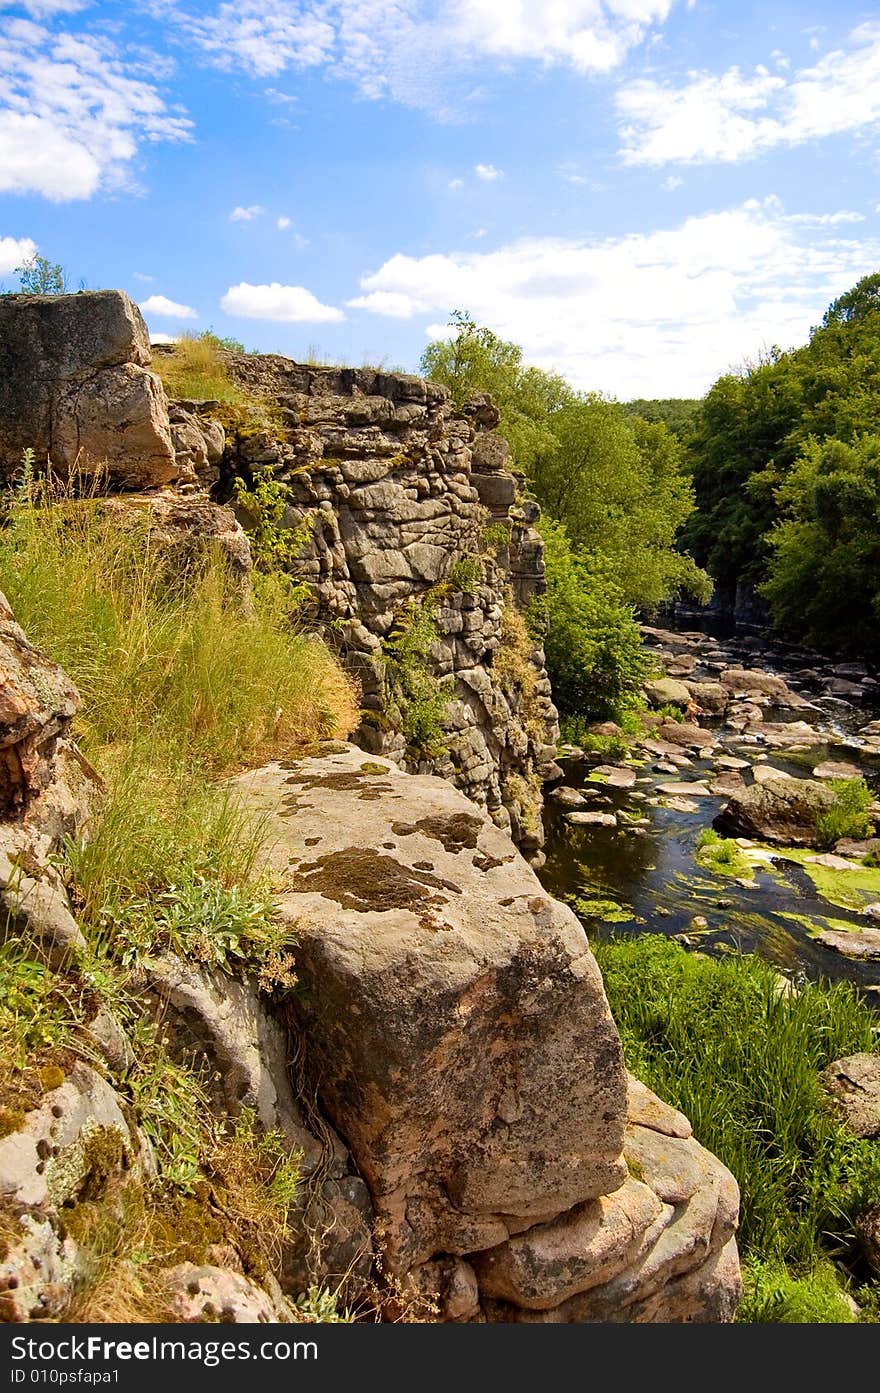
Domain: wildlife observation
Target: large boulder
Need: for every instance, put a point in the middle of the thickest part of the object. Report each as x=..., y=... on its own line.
x=75, y=388
x=779, y=809
x=454, y=1027
x=853, y=1088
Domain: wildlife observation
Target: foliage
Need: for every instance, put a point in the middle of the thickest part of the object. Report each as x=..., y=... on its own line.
x=740, y=1058
x=677, y=414
x=37, y=276
x=773, y=1296
x=415, y=697
x=848, y=816
x=614, y=479
x=770, y=450
x=592, y=644
x=466, y=575
x=275, y=547
x=824, y=553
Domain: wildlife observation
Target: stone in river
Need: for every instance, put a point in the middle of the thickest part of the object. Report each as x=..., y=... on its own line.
x=836, y=769
x=592, y=819
x=681, y=805
x=616, y=775
x=684, y=790
x=729, y=762
x=568, y=797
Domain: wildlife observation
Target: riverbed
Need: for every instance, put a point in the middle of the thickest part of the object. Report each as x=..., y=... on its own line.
x=646, y=873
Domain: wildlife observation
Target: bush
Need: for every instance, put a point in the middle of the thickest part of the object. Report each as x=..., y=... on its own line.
x=771, y=1295
x=848, y=816
x=592, y=643
x=415, y=696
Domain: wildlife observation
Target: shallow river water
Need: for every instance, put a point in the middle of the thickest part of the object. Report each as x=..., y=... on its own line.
x=652, y=873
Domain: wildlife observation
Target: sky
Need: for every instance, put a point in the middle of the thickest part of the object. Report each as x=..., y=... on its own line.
x=643, y=194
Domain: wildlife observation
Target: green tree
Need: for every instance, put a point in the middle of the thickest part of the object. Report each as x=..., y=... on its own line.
x=37, y=276
x=824, y=562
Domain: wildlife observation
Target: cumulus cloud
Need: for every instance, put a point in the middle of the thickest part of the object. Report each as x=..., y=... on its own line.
x=455, y=185
x=74, y=116
x=14, y=252
x=163, y=338
x=735, y=116
x=290, y=304
x=646, y=314
x=167, y=309
x=411, y=49
x=282, y=223
x=488, y=172
x=253, y=210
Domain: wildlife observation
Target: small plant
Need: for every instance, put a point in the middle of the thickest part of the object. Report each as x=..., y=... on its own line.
x=495, y=537
x=275, y=547
x=194, y=370
x=466, y=575
x=37, y=276
x=772, y=1295
x=721, y=855
x=848, y=816
x=416, y=698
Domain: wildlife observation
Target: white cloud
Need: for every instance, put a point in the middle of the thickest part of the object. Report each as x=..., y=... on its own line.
x=14, y=252
x=163, y=338
x=282, y=223
x=488, y=172
x=455, y=185
x=253, y=210
x=736, y=116
x=168, y=309
x=46, y=9
x=291, y=304
x=647, y=314
x=142, y=276
x=673, y=182
x=571, y=173
x=412, y=50
x=74, y=117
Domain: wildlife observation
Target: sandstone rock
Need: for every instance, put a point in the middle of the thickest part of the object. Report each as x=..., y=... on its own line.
x=38, y=1269
x=68, y=1147
x=664, y=691
x=645, y=1109
x=185, y=527
x=212, y=1016
x=684, y=789
x=568, y=797
x=461, y=992
x=591, y=819
x=709, y=696
x=217, y=1294
x=615, y=775
x=766, y=684
x=685, y=734
x=74, y=382
x=836, y=769
x=780, y=810
x=37, y=705
x=852, y=943
x=853, y=1086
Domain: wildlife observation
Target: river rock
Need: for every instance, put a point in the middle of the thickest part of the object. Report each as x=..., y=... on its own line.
x=447, y=992
x=709, y=696
x=592, y=819
x=684, y=790
x=781, y=810
x=856, y=943
x=853, y=1085
x=616, y=775
x=567, y=797
x=836, y=769
x=686, y=735
x=665, y=691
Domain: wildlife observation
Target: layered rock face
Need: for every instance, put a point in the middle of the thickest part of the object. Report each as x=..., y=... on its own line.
x=411, y=503
x=456, y=1031
x=75, y=388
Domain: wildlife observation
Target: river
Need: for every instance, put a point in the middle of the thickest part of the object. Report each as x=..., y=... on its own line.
x=644, y=876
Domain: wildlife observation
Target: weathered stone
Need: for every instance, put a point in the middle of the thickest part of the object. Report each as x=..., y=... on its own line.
x=38, y=1269
x=68, y=1147
x=780, y=810
x=37, y=705
x=853, y=1086
x=458, y=993
x=836, y=769
x=216, y=1294
x=645, y=1109
x=665, y=691
x=709, y=696
x=684, y=733
x=74, y=387
x=186, y=528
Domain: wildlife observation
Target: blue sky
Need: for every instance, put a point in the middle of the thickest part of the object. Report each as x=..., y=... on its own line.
x=640, y=192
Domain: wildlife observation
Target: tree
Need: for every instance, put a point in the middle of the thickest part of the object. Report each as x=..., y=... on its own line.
x=37, y=276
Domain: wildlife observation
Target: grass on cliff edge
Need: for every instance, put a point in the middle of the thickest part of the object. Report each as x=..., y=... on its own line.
x=718, y=1040
x=183, y=678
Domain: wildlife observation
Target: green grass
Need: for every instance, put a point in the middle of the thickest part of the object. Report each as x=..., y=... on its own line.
x=848, y=816
x=719, y=1041
x=721, y=855
x=771, y=1295
x=194, y=370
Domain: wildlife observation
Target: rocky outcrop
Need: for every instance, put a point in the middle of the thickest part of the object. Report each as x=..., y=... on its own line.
x=75, y=387
x=414, y=512
x=853, y=1088
x=455, y=1029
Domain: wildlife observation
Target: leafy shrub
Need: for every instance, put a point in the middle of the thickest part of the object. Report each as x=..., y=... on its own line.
x=416, y=698
x=592, y=643
x=848, y=816
x=466, y=575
